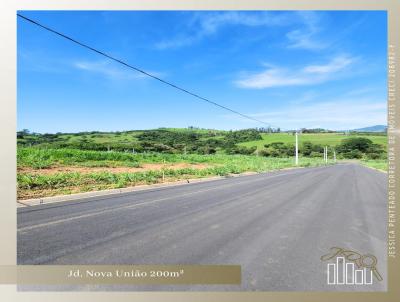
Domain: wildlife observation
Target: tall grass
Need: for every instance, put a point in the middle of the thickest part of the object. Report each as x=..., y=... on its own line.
x=42, y=158
x=37, y=184
x=380, y=164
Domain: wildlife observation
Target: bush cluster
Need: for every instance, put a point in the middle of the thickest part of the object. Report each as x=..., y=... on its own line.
x=350, y=148
x=160, y=140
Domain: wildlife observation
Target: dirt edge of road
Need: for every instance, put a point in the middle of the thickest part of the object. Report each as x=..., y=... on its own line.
x=109, y=192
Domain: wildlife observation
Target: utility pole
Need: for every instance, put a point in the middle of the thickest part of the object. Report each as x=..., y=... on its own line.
x=334, y=156
x=133, y=150
x=297, y=149
x=163, y=173
x=326, y=154
x=184, y=150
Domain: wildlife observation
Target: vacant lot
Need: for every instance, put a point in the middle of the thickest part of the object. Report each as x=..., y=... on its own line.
x=48, y=172
x=65, y=163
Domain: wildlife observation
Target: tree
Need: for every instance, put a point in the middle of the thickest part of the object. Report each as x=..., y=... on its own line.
x=361, y=144
x=358, y=147
x=24, y=132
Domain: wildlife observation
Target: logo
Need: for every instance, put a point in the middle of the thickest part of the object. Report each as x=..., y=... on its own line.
x=351, y=267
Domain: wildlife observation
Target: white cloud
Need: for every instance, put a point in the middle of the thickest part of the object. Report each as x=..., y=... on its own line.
x=210, y=23
x=177, y=42
x=304, y=36
x=206, y=24
x=308, y=75
x=335, y=65
x=111, y=71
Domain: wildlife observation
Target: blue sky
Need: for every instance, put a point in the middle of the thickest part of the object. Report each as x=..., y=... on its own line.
x=292, y=69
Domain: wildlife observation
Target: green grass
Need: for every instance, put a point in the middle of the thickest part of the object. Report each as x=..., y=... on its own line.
x=44, y=158
x=380, y=164
x=102, y=137
x=329, y=139
x=199, y=131
x=38, y=185
x=123, y=137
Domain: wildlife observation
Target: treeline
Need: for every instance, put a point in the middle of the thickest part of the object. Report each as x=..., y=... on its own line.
x=350, y=148
x=197, y=142
x=159, y=140
x=361, y=147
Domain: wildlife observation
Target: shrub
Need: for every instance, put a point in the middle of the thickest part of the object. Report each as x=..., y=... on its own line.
x=361, y=144
x=308, y=148
x=241, y=150
x=278, y=149
x=352, y=154
x=359, y=147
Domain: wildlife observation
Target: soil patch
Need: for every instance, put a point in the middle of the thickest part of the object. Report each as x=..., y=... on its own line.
x=86, y=170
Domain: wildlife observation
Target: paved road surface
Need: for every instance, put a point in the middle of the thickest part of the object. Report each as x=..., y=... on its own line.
x=275, y=225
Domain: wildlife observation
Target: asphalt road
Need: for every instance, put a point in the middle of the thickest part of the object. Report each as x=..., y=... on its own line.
x=275, y=225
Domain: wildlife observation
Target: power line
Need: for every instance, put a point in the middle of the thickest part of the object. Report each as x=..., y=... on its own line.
x=141, y=71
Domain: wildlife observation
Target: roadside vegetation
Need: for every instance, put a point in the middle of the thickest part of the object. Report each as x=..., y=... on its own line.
x=39, y=170
x=64, y=163
x=379, y=164
x=200, y=141
x=326, y=139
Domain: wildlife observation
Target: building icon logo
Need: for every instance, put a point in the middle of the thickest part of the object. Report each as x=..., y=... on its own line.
x=350, y=268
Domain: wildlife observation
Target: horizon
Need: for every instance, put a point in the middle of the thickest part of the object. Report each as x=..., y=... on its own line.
x=196, y=128
x=293, y=69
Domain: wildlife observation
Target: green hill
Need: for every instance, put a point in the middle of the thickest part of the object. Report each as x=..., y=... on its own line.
x=190, y=140
x=326, y=139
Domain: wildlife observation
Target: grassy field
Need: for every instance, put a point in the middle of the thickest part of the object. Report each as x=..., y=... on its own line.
x=199, y=131
x=46, y=170
x=101, y=137
x=39, y=169
x=326, y=139
x=119, y=137
x=380, y=164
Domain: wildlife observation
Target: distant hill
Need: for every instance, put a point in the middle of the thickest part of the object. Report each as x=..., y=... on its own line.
x=376, y=128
